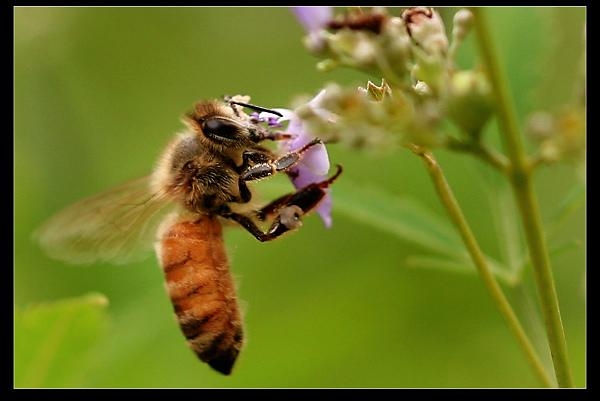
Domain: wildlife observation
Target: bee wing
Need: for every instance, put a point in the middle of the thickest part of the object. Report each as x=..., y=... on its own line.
x=118, y=225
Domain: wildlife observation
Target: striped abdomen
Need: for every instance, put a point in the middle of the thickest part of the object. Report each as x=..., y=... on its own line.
x=202, y=290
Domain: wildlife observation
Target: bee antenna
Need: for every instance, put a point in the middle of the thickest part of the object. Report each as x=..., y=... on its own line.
x=256, y=108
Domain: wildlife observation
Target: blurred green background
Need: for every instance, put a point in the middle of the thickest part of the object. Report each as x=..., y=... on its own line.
x=99, y=92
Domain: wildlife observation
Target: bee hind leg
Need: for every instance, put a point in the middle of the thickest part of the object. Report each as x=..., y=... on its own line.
x=250, y=225
x=285, y=211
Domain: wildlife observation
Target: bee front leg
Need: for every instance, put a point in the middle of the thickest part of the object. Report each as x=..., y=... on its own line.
x=249, y=158
x=257, y=165
x=268, y=168
x=253, y=157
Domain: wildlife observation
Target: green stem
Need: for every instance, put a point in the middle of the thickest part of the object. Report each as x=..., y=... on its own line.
x=494, y=158
x=490, y=282
x=520, y=179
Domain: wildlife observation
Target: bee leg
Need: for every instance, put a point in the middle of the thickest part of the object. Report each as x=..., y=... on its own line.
x=252, y=157
x=245, y=194
x=272, y=207
x=268, y=168
x=287, y=210
x=249, y=224
x=306, y=198
x=256, y=165
x=249, y=158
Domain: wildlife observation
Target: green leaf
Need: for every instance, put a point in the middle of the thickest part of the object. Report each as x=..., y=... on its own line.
x=405, y=219
x=459, y=266
x=573, y=200
x=399, y=216
x=505, y=218
x=567, y=246
x=555, y=250
x=560, y=67
x=52, y=340
x=402, y=217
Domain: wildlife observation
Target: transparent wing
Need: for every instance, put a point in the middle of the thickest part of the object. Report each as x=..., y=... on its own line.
x=118, y=225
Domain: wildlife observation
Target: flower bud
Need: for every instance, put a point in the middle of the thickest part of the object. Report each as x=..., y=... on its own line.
x=568, y=141
x=315, y=42
x=429, y=69
x=422, y=89
x=469, y=101
x=364, y=53
x=396, y=46
x=426, y=28
x=540, y=126
x=463, y=20
x=327, y=65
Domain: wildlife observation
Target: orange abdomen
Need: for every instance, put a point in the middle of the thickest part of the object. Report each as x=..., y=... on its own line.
x=202, y=290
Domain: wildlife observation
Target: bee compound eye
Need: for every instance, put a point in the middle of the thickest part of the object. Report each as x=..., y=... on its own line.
x=219, y=128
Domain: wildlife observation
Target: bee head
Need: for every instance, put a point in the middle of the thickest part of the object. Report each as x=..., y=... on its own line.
x=219, y=124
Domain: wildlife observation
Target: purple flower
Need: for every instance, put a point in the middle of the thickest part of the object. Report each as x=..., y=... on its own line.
x=313, y=19
x=314, y=165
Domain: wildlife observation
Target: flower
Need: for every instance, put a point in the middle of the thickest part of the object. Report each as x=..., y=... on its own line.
x=314, y=165
x=314, y=19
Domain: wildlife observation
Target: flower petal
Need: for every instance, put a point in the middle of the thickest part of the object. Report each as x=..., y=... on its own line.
x=313, y=18
x=324, y=209
x=316, y=160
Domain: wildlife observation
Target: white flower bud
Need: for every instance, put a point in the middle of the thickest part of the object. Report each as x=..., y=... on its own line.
x=327, y=65
x=426, y=28
x=364, y=52
x=315, y=42
x=463, y=20
x=422, y=89
x=541, y=125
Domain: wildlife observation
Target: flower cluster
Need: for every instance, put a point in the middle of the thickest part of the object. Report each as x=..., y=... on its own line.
x=560, y=136
x=421, y=85
x=423, y=99
x=364, y=117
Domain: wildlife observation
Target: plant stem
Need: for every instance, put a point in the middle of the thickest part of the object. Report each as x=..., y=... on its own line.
x=520, y=179
x=489, y=155
x=450, y=203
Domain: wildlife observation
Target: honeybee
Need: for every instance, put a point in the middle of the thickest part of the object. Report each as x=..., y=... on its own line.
x=199, y=182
